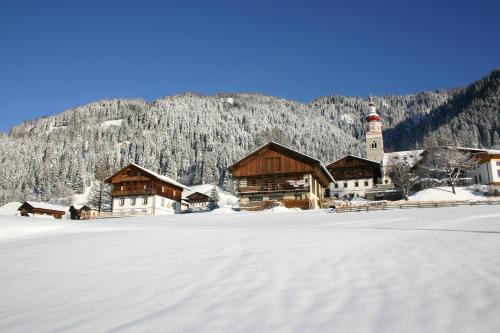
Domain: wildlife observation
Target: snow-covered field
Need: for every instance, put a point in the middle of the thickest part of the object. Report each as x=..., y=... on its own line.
x=419, y=270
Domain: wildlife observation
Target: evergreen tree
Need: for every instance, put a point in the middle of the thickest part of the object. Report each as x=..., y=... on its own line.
x=100, y=193
x=213, y=202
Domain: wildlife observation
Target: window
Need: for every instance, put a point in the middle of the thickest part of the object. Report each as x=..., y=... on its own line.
x=145, y=200
x=122, y=202
x=356, y=184
x=162, y=202
x=480, y=180
x=498, y=173
x=162, y=189
x=132, y=202
x=336, y=185
x=498, y=163
x=366, y=183
x=345, y=184
x=252, y=199
x=174, y=193
x=298, y=196
x=276, y=197
x=121, y=188
x=374, y=145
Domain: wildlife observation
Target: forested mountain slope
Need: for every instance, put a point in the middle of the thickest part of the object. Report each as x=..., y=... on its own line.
x=193, y=137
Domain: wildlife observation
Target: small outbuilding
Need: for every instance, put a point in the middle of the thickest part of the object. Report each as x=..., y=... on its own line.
x=82, y=212
x=30, y=208
x=198, y=200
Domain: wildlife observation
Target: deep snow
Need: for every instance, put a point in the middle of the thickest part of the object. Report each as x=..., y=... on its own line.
x=419, y=270
x=445, y=193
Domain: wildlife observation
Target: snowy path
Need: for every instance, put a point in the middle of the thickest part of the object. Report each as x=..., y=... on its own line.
x=420, y=270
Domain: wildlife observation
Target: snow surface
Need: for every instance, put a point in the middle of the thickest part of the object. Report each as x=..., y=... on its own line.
x=108, y=123
x=10, y=208
x=44, y=205
x=420, y=270
x=53, y=128
x=446, y=194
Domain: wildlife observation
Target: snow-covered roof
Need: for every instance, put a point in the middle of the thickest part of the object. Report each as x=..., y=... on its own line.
x=493, y=151
x=479, y=150
x=416, y=154
x=43, y=205
x=161, y=177
x=79, y=206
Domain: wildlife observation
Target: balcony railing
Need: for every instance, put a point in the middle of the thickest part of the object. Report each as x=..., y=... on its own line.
x=134, y=192
x=276, y=187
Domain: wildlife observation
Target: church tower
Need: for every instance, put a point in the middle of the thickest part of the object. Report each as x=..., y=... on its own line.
x=374, y=140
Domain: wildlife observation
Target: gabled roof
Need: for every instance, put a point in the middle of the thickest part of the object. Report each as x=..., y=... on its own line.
x=79, y=206
x=355, y=157
x=199, y=193
x=152, y=174
x=287, y=151
x=43, y=205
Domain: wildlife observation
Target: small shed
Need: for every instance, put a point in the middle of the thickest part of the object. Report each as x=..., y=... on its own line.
x=198, y=199
x=30, y=208
x=82, y=212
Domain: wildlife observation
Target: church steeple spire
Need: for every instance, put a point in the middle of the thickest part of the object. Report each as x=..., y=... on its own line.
x=374, y=140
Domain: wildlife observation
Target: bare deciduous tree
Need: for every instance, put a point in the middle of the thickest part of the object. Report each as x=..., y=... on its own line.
x=403, y=173
x=443, y=159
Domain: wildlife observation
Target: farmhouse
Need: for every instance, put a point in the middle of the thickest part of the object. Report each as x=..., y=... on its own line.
x=30, y=208
x=276, y=173
x=139, y=191
x=488, y=170
x=354, y=175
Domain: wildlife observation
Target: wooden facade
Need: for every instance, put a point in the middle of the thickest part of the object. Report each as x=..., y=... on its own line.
x=277, y=173
x=198, y=198
x=353, y=167
x=139, y=191
x=136, y=181
x=31, y=208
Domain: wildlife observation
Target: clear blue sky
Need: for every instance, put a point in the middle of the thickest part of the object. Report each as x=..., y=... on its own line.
x=59, y=54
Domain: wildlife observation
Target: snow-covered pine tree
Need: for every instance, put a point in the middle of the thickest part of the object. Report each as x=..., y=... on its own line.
x=213, y=202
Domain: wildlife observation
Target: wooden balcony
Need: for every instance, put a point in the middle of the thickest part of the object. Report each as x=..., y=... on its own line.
x=273, y=187
x=132, y=192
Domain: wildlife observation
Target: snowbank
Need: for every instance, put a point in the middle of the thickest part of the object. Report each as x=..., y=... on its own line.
x=422, y=270
x=446, y=194
x=10, y=208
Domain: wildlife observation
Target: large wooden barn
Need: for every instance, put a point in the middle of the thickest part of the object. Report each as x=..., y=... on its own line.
x=354, y=175
x=31, y=208
x=276, y=173
x=139, y=191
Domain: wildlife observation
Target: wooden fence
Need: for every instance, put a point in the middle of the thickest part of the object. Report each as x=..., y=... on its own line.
x=383, y=205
